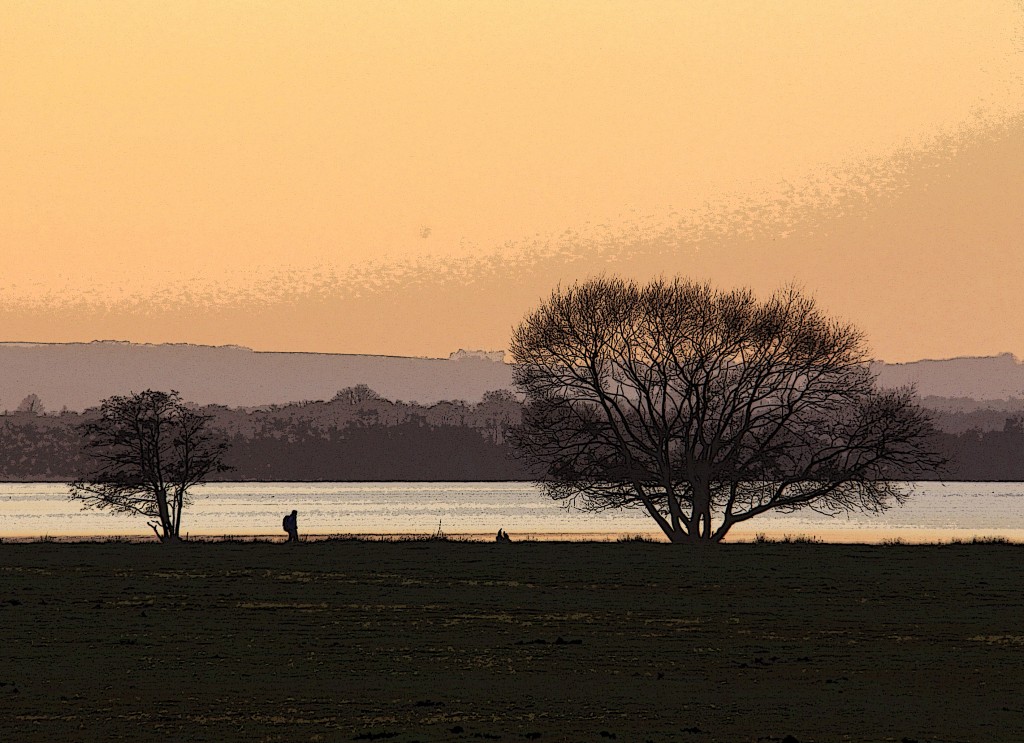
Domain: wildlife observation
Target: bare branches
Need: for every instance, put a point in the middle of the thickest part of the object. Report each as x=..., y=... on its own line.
x=702, y=405
x=147, y=450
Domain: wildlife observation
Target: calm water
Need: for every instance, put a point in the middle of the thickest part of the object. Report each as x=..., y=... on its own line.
x=936, y=512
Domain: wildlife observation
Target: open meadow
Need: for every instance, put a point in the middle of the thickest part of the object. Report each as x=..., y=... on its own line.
x=435, y=640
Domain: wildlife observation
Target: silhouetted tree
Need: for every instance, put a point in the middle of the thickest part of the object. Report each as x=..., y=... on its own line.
x=356, y=395
x=497, y=411
x=145, y=452
x=31, y=404
x=708, y=408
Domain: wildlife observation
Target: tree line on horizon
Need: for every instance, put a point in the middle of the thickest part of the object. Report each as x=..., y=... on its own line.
x=360, y=436
x=356, y=435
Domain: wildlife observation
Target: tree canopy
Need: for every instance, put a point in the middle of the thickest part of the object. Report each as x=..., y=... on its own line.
x=146, y=451
x=708, y=407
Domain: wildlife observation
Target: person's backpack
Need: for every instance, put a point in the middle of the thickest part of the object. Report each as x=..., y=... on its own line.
x=284, y=523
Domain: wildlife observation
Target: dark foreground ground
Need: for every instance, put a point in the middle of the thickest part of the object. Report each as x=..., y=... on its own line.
x=530, y=641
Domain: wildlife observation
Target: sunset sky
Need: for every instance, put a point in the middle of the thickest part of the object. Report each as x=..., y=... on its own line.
x=410, y=178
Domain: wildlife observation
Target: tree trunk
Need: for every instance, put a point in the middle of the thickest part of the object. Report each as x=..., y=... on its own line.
x=699, y=523
x=695, y=528
x=169, y=526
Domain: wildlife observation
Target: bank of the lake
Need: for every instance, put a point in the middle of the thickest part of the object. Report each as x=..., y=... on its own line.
x=935, y=512
x=438, y=641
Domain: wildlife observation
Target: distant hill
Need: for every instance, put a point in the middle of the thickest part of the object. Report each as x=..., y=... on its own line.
x=80, y=375
x=980, y=378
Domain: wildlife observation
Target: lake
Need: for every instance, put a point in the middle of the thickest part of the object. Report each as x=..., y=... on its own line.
x=937, y=511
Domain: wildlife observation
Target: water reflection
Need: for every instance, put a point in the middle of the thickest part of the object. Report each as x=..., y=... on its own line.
x=936, y=512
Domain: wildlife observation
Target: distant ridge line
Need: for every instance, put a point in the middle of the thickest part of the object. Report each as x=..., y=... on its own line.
x=1005, y=355
x=77, y=375
x=231, y=346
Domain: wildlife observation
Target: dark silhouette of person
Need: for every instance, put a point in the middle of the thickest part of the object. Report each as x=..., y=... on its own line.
x=291, y=525
x=502, y=536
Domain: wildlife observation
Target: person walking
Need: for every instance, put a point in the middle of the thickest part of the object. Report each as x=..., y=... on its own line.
x=291, y=525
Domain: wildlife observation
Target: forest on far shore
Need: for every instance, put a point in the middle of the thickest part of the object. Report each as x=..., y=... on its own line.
x=360, y=436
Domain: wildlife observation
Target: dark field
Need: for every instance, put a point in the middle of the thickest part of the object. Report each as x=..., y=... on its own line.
x=550, y=641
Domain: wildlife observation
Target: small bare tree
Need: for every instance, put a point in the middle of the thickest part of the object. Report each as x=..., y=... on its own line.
x=146, y=451
x=708, y=408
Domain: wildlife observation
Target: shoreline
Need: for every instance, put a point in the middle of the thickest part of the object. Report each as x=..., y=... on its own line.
x=918, y=538
x=66, y=480
x=474, y=511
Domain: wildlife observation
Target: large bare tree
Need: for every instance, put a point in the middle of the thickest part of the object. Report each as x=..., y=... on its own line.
x=146, y=451
x=708, y=407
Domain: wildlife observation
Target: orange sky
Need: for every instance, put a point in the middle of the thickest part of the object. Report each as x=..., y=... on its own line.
x=409, y=178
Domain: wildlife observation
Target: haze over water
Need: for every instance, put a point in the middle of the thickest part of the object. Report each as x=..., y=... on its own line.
x=936, y=512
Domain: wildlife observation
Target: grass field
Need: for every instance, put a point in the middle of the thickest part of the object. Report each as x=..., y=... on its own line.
x=530, y=641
